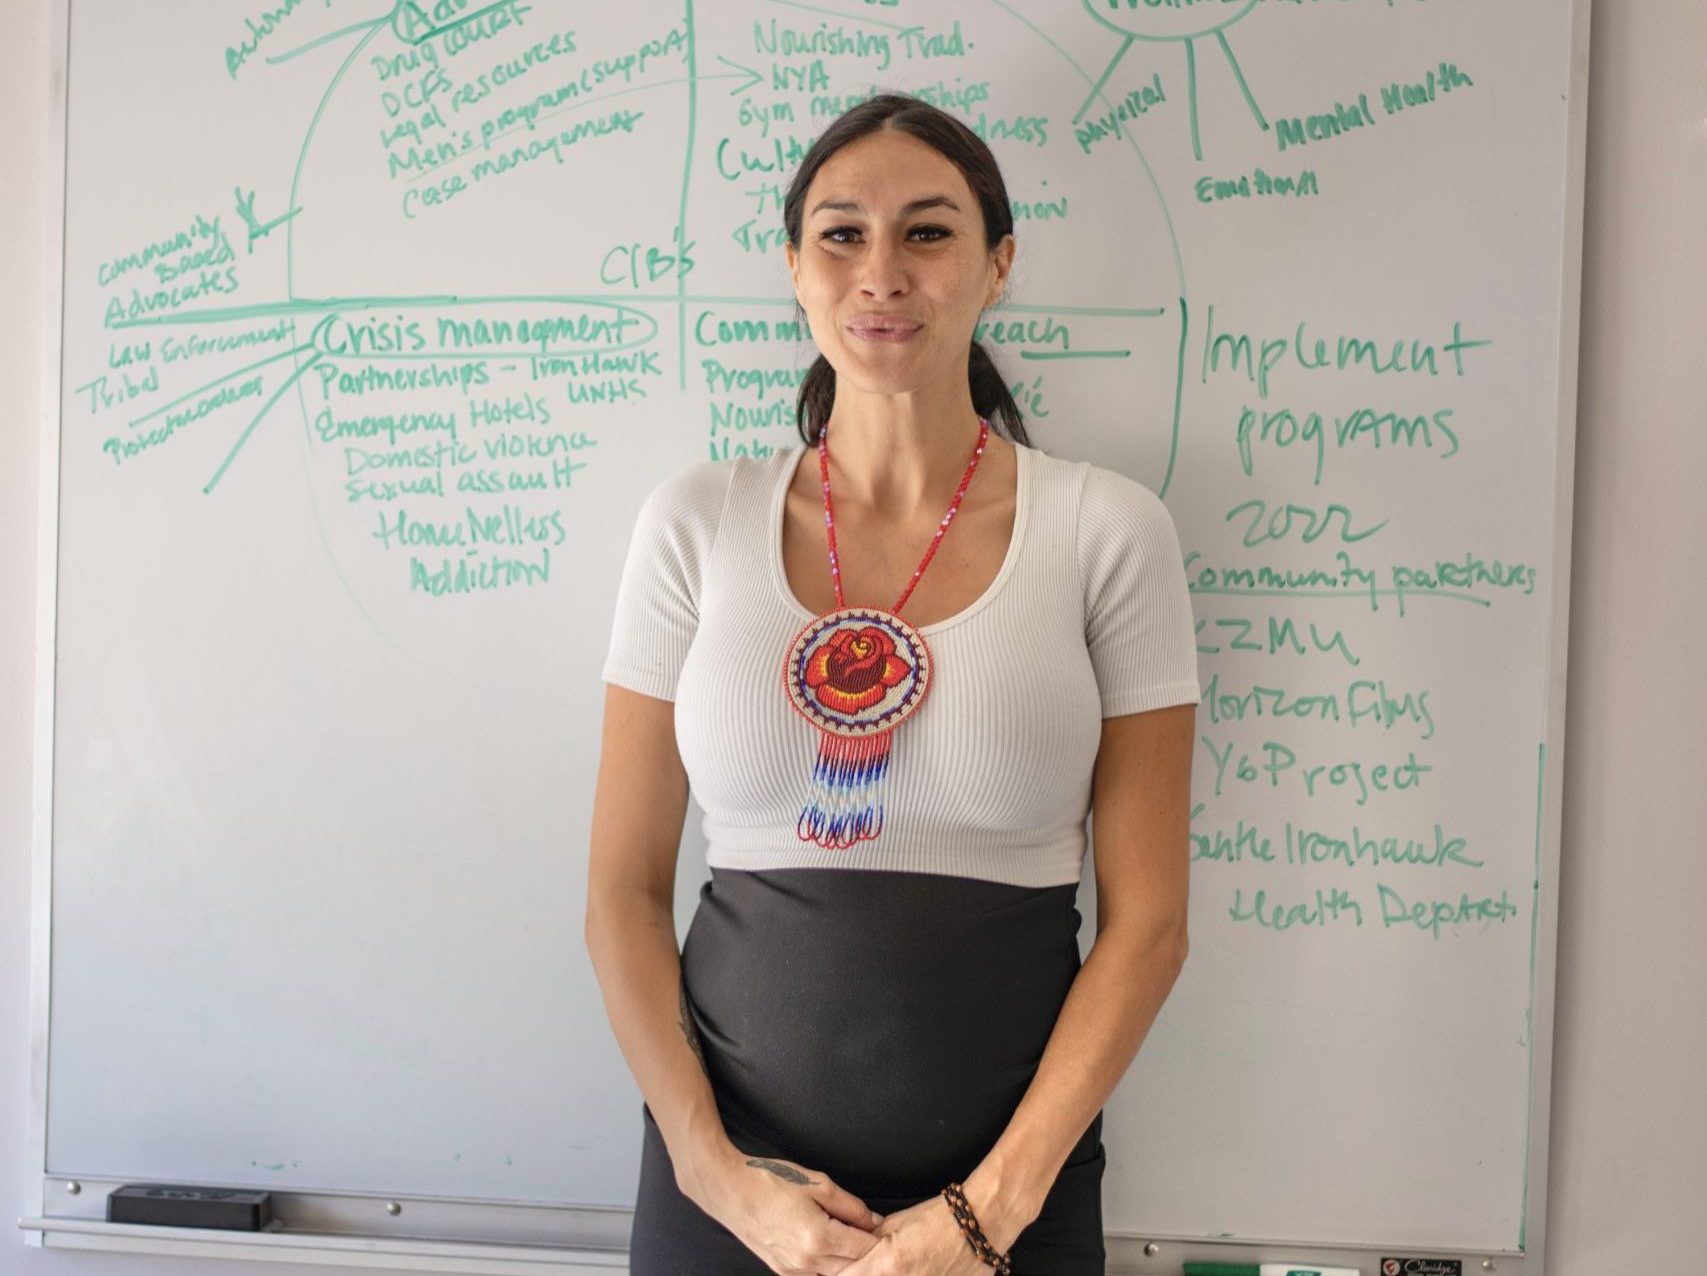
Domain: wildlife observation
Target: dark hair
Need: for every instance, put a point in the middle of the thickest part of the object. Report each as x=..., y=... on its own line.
x=991, y=397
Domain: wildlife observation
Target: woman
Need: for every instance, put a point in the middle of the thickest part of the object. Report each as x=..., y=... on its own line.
x=877, y=1051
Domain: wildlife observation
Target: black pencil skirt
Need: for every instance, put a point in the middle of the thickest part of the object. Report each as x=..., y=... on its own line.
x=880, y=1027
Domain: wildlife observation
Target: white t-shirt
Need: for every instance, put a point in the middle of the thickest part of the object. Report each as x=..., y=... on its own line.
x=1088, y=617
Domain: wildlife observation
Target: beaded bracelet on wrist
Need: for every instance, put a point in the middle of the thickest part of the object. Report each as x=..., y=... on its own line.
x=957, y=1202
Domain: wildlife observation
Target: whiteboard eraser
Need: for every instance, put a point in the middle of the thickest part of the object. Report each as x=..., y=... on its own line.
x=165, y=1205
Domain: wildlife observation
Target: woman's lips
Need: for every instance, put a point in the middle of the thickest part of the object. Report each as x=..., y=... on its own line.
x=885, y=330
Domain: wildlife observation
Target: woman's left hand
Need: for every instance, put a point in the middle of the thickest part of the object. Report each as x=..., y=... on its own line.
x=921, y=1240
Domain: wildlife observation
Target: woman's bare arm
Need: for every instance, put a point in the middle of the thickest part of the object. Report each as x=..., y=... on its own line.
x=639, y=806
x=1141, y=800
x=793, y=1217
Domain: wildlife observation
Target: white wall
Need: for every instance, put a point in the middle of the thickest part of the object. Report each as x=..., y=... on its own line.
x=1628, y=1175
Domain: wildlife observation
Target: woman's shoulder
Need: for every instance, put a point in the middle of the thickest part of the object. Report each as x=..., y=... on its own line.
x=692, y=486
x=688, y=507
x=712, y=479
x=1104, y=499
x=1113, y=502
x=1111, y=520
x=699, y=492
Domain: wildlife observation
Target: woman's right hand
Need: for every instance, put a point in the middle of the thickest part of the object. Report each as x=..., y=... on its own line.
x=795, y=1219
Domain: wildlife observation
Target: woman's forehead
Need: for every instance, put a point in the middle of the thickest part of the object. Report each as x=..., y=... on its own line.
x=885, y=171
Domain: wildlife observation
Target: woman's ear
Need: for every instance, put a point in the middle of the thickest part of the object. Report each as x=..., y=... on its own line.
x=793, y=261
x=1002, y=257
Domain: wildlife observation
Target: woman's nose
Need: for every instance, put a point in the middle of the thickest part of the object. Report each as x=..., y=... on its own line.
x=884, y=271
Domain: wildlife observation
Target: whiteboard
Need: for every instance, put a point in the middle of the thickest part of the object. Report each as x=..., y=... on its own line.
x=378, y=323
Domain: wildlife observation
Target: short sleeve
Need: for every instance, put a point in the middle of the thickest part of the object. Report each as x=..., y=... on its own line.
x=658, y=596
x=1139, y=628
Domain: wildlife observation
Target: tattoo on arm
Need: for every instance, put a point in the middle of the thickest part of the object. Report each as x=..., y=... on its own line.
x=781, y=1169
x=688, y=1029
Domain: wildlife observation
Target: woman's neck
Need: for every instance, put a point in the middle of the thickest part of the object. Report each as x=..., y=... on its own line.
x=900, y=453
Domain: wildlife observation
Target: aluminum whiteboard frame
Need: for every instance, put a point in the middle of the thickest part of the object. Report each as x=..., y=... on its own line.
x=581, y=1237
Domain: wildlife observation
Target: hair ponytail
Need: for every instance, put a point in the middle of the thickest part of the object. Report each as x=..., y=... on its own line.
x=991, y=397
x=817, y=396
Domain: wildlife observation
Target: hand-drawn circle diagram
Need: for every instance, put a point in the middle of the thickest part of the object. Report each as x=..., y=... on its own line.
x=537, y=241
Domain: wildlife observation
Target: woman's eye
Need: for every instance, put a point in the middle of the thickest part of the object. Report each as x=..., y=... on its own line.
x=932, y=233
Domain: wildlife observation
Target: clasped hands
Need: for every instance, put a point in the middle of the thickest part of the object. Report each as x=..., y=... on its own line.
x=803, y=1224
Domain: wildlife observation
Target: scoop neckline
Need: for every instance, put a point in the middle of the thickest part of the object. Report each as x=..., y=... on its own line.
x=779, y=503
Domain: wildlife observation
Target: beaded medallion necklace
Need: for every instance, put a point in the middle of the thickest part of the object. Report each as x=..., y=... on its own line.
x=856, y=673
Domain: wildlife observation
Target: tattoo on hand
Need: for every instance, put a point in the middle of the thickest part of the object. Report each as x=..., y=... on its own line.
x=779, y=1168
x=688, y=1029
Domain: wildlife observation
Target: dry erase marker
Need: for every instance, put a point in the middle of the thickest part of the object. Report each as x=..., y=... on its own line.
x=1266, y=1269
